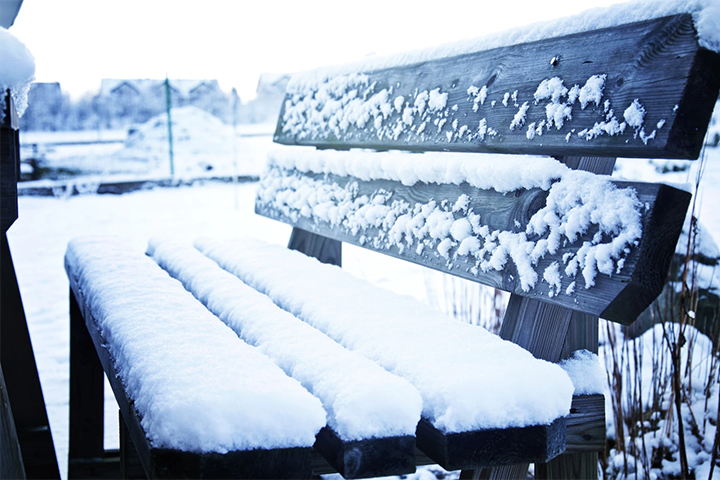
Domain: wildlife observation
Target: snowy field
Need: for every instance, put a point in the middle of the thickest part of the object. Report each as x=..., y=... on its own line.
x=39, y=238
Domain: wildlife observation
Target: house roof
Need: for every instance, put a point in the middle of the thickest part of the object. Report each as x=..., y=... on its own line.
x=184, y=87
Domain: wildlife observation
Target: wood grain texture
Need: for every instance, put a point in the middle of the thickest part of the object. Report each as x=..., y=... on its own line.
x=538, y=327
x=586, y=424
x=620, y=298
x=485, y=448
x=367, y=458
x=584, y=468
x=658, y=62
x=167, y=463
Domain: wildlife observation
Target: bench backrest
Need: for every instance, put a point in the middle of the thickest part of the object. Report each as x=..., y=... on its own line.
x=645, y=89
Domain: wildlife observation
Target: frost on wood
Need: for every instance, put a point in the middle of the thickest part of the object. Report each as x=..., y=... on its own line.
x=164, y=343
x=353, y=107
x=486, y=383
x=362, y=400
x=577, y=203
x=17, y=70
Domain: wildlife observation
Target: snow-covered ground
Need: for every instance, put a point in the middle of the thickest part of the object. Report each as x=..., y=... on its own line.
x=39, y=238
x=202, y=146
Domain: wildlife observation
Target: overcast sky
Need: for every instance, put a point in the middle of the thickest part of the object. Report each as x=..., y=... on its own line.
x=79, y=42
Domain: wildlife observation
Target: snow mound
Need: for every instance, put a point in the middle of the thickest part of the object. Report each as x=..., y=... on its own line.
x=17, y=70
x=201, y=141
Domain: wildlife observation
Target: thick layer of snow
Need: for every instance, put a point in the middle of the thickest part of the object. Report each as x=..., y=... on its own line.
x=362, y=400
x=503, y=173
x=17, y=70
x=706, y=15
x=485, y=382
x=586, y=372
x=576, y=203
x=165, y=344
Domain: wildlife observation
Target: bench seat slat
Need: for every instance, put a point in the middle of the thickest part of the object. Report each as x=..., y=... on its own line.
x=495, y=100
x=466, y=391
x=374, y=413
x=171, y=411
x=370, y=212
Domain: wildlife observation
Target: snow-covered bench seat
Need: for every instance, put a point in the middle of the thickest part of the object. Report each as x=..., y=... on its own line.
x=197, y=401
x=487, y=202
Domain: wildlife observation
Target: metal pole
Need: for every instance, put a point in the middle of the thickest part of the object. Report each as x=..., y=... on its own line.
x=235, y=102
x=168, y=105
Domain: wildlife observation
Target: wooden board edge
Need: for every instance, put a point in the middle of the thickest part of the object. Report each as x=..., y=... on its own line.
x=373, y=457
x=666, y=220
x=492, y=447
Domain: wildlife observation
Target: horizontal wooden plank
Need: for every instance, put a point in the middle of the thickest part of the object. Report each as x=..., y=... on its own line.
x=367, y=458
x=620, y=297
x=586, y=424
x=167, y=463
x=493, y=447
x=658, y=62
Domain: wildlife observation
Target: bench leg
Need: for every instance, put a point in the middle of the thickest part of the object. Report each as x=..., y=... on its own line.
x=24, y=392
x=130, y=465
x=86, y=453
x=324, y=249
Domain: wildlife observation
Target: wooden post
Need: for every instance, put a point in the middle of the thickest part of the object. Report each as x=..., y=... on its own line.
x=583, y=334
x=11, y=463
x=552, y=333
x=16, y=354
x=87, y=383
x=324, y=249
x=130, y=464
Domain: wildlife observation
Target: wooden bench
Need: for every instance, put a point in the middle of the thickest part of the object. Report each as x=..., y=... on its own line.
x=570, y=246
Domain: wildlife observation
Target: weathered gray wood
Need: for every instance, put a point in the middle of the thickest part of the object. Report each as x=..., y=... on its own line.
x=538, y=327
x=11, y=463
x=621, y=297
x=166, y=463
x=586, y=425
x=367, y=458
x=21, y=376
x=658, y=62
x=485, y=448
x=584, y=466
x=324, y=249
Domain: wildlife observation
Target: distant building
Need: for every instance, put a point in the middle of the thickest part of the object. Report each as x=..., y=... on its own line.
x=264, y=108
x=125, y=101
